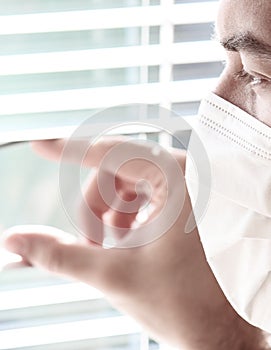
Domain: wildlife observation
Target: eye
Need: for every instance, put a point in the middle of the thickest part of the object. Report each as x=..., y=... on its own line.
x=250, y=79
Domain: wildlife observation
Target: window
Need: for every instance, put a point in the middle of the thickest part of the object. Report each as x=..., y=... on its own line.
x=61, y=62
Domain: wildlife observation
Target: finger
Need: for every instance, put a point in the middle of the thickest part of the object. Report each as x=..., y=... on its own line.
x=53, y=149
x=120, y=219
x=91, y=265
x=97, y=207
x=135, y=157
x=48, y=252
x=92, y=209
x=49, y=149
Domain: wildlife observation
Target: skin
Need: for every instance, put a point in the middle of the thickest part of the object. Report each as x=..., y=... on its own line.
x=239, y=17
x=166, y=285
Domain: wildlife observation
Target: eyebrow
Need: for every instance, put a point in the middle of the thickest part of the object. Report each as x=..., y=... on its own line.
x=247, y=42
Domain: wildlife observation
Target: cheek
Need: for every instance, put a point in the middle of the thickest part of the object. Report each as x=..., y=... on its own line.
x=263, y=107
x=261, y=104
x=234, y=90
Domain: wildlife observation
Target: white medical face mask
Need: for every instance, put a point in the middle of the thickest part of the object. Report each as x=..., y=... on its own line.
x=236, y=228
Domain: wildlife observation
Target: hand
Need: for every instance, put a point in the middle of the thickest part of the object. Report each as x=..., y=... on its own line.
x=166, y=284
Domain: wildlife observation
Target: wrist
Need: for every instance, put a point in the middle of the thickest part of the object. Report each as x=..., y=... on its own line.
x=244, y=336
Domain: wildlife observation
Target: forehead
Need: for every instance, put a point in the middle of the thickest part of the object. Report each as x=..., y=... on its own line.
x=243, y=16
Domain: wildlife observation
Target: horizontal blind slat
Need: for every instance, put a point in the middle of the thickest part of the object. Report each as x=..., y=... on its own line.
x=181, y=53
x=180, y=91
x=201, y=12
x=70, y=331
x=29, y=297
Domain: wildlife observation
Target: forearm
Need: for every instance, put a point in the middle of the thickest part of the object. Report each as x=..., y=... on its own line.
x=214, y=324
x=231, y=332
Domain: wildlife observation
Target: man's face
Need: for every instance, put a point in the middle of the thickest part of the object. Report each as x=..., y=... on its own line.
x=244, y=29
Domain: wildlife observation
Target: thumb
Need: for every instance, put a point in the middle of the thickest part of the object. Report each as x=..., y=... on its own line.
x=88, y=264
x=74, y=149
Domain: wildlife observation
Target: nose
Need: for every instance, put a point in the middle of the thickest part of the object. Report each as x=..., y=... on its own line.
x=235, y=91
x=228, y=88
x=224, y=86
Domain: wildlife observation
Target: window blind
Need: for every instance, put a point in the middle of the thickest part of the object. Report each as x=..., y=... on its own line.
x=61, y=62
x=38, y=311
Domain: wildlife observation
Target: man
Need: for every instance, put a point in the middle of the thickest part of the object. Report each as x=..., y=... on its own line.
x=167, y=285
